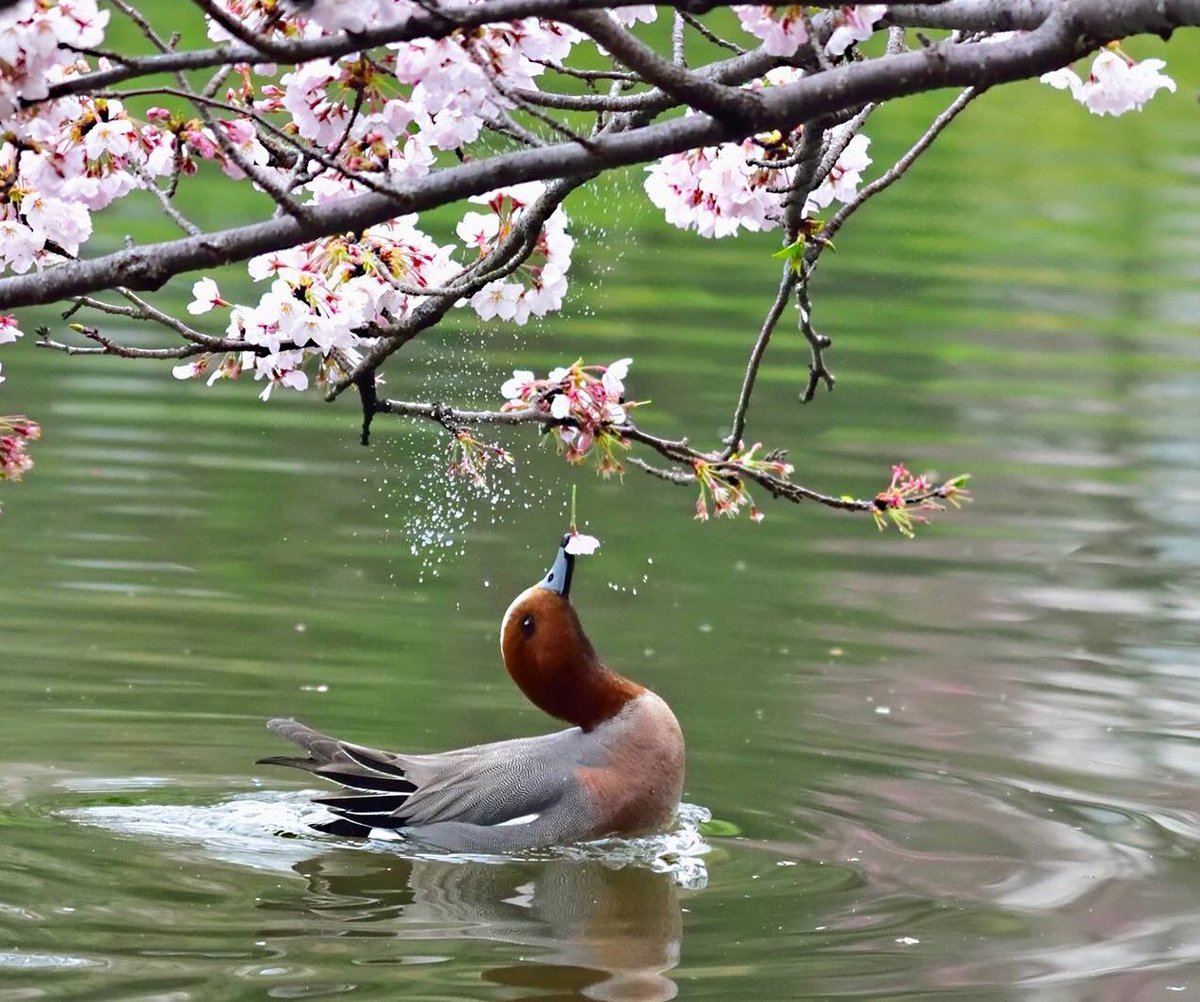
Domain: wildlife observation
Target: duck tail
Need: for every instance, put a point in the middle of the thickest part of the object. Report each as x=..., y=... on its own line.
x=321, y=748
x=374, y=788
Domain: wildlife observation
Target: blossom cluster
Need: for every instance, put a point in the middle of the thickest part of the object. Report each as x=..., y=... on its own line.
x=36, y=43
x=1116, y=83
x=384, y=119
x=381, y=119
x=62, y=160
x=16, y=432
x=909, y=500
x=723, y=485
x=326, y=298
x=327, y=129
x=472, y=458
x=782, y=30
x=717, y=190
x=588, y=400
x=539, y=285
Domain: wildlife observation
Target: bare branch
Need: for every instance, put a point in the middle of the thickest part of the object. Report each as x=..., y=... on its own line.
x=818, y=372
x=677, y=452
x=261, y=44
x=671, y=78
x=738, y=425
x=897, y=170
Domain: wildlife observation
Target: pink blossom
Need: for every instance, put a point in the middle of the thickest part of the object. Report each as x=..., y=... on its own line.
x=205, y=296
x=517, y=387
x=581, y=545
x=478, y=229
x=281, y=369
x=497, y=300
x=191, y=370
x=614, y=377
x=854, y=24
x=1115, y=85
x=66, y=223
x=241, y=134
x=589, y=407
x=843, y=180
x=9, y=331
x=781, y=29
x=19, y=246
x=16, y=432
x=115, y=138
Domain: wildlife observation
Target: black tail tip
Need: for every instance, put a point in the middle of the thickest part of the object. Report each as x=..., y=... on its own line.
x=343, y=827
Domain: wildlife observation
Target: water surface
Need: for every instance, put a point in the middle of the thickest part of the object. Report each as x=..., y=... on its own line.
x=963, y=767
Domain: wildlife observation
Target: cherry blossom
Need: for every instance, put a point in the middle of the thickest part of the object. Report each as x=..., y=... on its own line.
x=385, y=118
x=854, y=24
x=723, y=484
x=718, y=190
x=781, y=29
x=191, y=370
x=909, y=500
x=35, y=39
x=517, y=387
x=9, y=331
x=205, y=296
x=579, y=544
x=846, y=175
x=16, y=432
x=590, y=407
x=1116, y=83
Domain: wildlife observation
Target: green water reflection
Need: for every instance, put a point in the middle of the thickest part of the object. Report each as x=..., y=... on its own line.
x=964, y=767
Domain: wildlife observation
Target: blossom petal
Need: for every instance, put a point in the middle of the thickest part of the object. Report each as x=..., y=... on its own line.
x=581, y=545
x=560, y=406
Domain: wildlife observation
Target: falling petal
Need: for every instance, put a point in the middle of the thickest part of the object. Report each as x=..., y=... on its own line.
x=581, y=545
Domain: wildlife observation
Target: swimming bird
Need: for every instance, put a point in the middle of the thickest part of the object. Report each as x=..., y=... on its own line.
x=618, y=770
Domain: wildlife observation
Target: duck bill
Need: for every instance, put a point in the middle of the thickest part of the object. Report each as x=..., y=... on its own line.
x=558, y=578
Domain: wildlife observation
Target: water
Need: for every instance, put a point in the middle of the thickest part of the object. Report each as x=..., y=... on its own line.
x=963, y=767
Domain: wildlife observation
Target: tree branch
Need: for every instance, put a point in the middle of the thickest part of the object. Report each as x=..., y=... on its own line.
x=677, y=452
x=1054, y=43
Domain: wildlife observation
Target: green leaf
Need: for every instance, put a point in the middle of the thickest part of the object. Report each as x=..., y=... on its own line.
x=793, y=253
x=716, y=828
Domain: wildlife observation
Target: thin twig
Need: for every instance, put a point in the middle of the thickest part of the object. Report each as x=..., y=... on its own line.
x=898, y=169
x=737, y=426
x=707, y=33
x=818, y=372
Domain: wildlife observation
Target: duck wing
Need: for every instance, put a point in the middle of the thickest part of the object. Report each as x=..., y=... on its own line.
x=492, y=785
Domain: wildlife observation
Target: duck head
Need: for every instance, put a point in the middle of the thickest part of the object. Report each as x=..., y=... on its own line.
x=551, y=659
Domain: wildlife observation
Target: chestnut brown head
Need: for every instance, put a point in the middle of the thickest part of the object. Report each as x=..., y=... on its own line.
x=550, y=657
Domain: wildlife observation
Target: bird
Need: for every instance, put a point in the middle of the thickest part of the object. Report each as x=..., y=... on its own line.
x=616, y=771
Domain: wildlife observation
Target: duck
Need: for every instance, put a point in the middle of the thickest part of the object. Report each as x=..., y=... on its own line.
x=617, y=770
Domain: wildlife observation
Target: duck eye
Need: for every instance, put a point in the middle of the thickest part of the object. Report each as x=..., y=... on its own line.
x=527, y=625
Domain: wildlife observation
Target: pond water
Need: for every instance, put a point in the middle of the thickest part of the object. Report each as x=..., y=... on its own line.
x=963, y=767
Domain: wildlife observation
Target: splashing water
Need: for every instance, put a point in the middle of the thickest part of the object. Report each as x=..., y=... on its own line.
x=431, y=510
x=269, y=831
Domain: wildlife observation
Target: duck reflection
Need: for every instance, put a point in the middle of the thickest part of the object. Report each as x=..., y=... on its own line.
x=604, y=933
